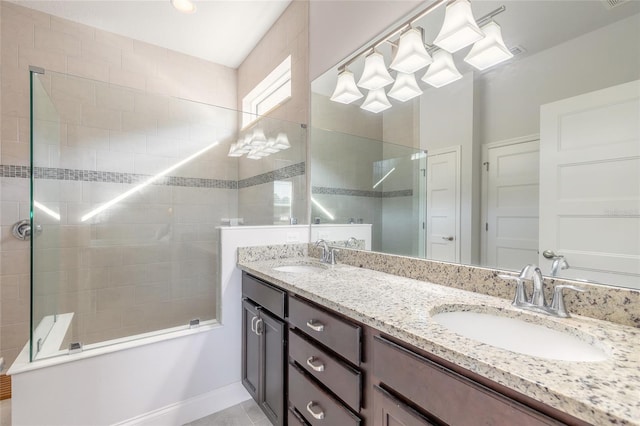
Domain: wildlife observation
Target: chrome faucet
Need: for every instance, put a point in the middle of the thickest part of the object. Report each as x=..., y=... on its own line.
x=325, y=250
x=538, y=302
x=559, y=263
x=328, y=253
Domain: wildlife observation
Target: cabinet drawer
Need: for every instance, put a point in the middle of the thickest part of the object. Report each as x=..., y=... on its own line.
x=339, y=335
x=390, y=411
x=445, y=394
x=318, y=407
x=271, y=298
x=343, y=380
x=295, y=419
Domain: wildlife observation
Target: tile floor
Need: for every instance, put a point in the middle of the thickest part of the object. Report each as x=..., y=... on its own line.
x=5, y=412
x=244, y=414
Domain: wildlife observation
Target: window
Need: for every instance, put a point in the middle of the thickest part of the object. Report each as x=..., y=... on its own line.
x=268, y=94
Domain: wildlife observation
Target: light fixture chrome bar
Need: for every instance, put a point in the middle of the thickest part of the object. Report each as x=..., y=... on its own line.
x=433, y=6
x=407, y=24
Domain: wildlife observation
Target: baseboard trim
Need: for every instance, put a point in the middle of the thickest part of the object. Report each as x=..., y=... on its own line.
x=191, y=409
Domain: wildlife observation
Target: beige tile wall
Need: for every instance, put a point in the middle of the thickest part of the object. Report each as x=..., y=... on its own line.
x=288, y=36
x=116, y=284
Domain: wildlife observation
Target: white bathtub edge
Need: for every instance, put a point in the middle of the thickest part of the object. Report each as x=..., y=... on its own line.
x=193, y=408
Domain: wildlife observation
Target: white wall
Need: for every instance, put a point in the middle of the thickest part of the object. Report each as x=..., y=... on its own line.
x=509, y=98
x=163, y=383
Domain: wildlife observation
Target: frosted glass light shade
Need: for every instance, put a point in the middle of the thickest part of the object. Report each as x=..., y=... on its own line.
x=270, y=148
x=376, y=101
x=258, y=139
x=346, y=90
x=443, y=71
x=411, y=55
x=233, y=151
x=282, y=141
x=459, y=29
x=489, y=51
x=405, y=88
x=375, y=75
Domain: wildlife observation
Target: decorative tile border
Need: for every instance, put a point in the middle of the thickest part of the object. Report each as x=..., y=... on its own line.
x=287, y=172
x=360, y=192
x=111, y=177
x=24, y=172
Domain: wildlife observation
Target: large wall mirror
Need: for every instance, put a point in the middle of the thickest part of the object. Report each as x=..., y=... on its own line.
x=531, y=159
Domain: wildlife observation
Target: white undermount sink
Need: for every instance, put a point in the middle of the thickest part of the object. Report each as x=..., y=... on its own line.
x=299, y=269
x=520, y=336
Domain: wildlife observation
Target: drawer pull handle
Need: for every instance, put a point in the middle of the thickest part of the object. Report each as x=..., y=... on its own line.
x=316, y=415
x=315, y=367
x=253, y=326
x=315, y=325
x=259, y=327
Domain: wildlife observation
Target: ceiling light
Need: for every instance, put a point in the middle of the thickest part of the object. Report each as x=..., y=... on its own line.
x=459, y=28
x=184, y=6
x=411, y=55
x=258, y=139
x=443, y=71
x=376, y=101
x=346, y=89
x=405, y=88
x=489, y=51
x=375, y=75
x=234, y=151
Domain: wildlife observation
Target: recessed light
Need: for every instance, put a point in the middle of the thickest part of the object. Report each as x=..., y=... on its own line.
x=184, y=6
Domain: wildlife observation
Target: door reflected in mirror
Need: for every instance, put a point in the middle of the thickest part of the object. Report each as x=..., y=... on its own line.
x=539, y=153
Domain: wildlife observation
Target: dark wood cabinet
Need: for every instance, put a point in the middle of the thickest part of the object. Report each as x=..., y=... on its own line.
x=390, y=411
x=264, y=355
x=331, y=370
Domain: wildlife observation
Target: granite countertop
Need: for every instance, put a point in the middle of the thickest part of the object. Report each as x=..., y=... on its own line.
x=605, y=392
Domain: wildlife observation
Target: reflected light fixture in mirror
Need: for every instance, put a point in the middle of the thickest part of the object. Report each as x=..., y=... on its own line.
x=443, y=71
x=376, y=101
x=411, y=55
x=489, y=51
x=346, y=89
x=405, y=88
x=459, y=29
x=184, y=6
x=375, y=75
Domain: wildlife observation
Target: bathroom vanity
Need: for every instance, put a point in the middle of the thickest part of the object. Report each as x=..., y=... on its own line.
x=363, y=350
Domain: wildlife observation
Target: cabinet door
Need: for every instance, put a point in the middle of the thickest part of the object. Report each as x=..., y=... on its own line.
x=389, y=411
x=250, y=350
x=272, y=334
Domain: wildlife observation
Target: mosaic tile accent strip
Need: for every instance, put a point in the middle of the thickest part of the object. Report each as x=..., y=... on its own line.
x=287, y=172
x=24, y=172
x=360, y=192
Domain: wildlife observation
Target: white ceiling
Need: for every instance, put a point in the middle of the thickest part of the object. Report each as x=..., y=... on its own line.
x=220, y=31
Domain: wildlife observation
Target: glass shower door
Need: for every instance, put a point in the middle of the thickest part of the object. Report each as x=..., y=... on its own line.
x=45, y=216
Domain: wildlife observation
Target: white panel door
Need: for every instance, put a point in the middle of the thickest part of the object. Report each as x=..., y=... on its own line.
x=443, y=206
x=590, y=184
x=511, y=217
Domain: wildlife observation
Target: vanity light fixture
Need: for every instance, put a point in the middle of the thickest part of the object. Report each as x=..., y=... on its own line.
x=459, y=29
x=411, y=55
x=346, y=89
x=405, y=88
x=443, y=71
x=375, y=75
x=489, y=51
x=376, y=101
x=184, y=6
x=258, y=146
